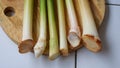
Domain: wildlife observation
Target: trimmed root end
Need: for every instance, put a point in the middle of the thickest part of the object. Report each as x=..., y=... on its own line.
x=74, y=40
x=76, y=48
x=64, y=52
x=92, y=43
x=53, y=56
x=38, y=52
x=39, y=48
x=26, y=46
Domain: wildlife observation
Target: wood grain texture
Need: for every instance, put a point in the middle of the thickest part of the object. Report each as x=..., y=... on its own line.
x=13, y=25
x=98, y=9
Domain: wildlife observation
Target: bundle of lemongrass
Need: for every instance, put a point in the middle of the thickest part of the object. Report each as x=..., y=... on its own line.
x=66, y=30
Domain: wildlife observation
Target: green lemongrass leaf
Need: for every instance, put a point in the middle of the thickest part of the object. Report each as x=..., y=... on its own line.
x=62, y=28
x=41, y=43
x=54, y=48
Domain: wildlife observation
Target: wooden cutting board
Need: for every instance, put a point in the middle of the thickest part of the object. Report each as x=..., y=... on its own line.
x=11, y=16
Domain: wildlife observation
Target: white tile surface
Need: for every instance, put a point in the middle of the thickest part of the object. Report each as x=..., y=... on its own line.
x=113, y=1
x=10, y=57
x=110, y=36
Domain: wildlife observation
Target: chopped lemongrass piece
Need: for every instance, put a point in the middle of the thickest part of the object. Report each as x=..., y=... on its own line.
x=53, y=42
x=62, y=28
x=90, y=35
x=42, y=40
x=74, y=36
x=27, y=43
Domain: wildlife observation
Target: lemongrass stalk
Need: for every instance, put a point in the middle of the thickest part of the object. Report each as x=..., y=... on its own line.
x=90, y=35
x=53, y=42
x=41, y=43
x=62, y=28
x=27, y=40
x=74, y=36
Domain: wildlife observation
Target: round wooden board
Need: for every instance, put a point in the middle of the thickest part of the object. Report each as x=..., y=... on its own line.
x=13, y=25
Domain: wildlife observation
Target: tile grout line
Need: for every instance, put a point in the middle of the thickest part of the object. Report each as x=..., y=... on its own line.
x=112, y=4
x=75, y=59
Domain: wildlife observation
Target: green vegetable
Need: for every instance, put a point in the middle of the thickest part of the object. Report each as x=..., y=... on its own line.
x=74, y=36
x=62, y=28
x=27, y=41
x=54, y=48
x=41, y=43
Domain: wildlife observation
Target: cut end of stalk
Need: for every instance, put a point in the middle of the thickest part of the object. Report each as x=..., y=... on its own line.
x=74, y=39
x=92, y=43
x=54, y=56
x=38, y=52
x=64, y=52
x=26, y=46
x=39, y=49
x=76, y=48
